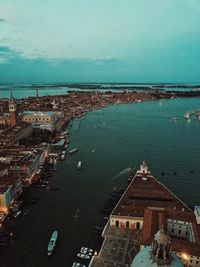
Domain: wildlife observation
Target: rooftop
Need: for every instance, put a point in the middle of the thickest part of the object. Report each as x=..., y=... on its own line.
x=145, y=191
x=119, y=249
x=148, y=199
x=15, y=129
x=41, y=113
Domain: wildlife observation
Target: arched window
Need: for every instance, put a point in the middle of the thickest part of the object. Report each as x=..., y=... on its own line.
x=138, y=225
x=127, y=224
x=117, y=223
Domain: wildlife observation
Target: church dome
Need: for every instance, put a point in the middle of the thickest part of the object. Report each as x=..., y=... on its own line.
x=159, y=254
x=144, y=259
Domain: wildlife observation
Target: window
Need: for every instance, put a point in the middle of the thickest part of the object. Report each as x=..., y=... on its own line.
x=172, y=230
x=117, y=223
x=138, y=225
x=179, y=232
x=127, y=224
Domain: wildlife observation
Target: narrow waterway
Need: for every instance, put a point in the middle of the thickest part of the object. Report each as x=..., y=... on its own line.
x=109, y=141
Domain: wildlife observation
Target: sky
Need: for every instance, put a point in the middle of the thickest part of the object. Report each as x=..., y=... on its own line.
x=99, y=41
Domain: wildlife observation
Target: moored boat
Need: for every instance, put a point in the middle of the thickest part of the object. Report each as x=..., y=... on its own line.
x=63, y=155
x=52, y=242
x=73, y=151
x=79, y=165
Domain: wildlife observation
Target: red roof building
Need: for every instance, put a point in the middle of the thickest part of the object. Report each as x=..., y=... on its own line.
x=147, y=205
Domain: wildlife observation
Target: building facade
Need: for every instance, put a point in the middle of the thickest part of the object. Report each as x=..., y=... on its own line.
x=6, y=198
x=41, y=120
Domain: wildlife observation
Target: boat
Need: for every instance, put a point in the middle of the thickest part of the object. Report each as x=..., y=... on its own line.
x=86, y=250
x=174, y=118
x=26, y=212
x=73, y=151
x=54, y=188
x=52, y=243
x=66, y=146
x=53, y=169
x=63, y=155
x=187, y=115
x=79, y=165
x=17, y=214
x=83, y=256
x=78, y=264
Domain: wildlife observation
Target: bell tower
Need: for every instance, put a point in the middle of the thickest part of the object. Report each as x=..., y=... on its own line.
x=12, y=110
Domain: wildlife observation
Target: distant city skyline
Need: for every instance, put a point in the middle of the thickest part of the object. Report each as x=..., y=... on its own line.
x=137, y=41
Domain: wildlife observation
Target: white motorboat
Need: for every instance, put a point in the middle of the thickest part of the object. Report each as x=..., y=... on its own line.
x=79, y=165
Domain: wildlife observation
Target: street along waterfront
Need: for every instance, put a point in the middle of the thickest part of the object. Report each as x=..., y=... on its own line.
x=109, y=141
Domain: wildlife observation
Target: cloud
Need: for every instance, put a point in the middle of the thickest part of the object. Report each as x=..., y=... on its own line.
x=15, y=66
x=3, y=20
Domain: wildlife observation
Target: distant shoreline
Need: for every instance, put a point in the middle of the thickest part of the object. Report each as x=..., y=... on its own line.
x=101, y=86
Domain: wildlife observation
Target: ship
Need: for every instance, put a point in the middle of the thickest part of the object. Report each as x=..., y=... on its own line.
x=79, y=165
x=52, y=243
x=73, y=151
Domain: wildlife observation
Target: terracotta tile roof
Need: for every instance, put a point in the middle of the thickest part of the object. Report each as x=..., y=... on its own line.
x=153, y=220
x=141, y=194
x=184, y=246
x=147, y=198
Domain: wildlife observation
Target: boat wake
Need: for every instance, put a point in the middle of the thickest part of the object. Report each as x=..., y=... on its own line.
x=121, y=173
x=77, y=214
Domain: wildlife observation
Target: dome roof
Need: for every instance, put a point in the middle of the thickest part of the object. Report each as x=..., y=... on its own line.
x=143, y=259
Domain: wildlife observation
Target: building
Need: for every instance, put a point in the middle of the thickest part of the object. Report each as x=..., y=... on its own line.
x=27, y=165
x=8, y=112
x=143, y=209
x=6, y=198
x=12, y=111
x=10, y=190
x=14, y=134
x=41, y=120
x=3, y=106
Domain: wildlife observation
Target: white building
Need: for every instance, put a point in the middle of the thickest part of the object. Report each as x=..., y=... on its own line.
x=41, y=120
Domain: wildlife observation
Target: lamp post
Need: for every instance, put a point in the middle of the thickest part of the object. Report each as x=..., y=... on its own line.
x=185, y=259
